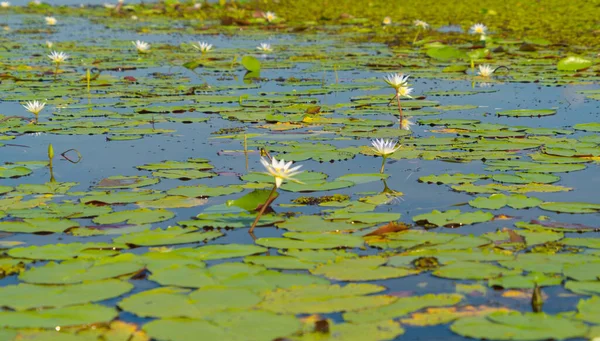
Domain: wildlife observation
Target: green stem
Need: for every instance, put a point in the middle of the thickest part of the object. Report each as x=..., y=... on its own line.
x=416, y=35
x=88, y=77
x=263, y=208
x=383, y=164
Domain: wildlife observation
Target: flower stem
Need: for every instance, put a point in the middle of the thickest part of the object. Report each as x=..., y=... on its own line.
x=383, y=164
x=416, y=36
x=267, y=203
x=399, y=108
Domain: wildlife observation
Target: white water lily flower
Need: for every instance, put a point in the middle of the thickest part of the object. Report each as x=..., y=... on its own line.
x=485, y=70
x=265, y=47
x=50, y=21
x=387, y=21
x=404, y=91
x=5, y=4
x=478, y=29
x=270, y=16
x=202, y=46
x=396, y=80
x=58, y=57
x=140, y=46
x=383, y=147
x=281, y=170
x=34, y=107
x=49, y=44
x=109, y=6
x=406, y=124
x=197, y=6
x=421, y=23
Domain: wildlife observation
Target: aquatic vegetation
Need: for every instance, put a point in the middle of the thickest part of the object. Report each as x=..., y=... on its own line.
x=486, y=212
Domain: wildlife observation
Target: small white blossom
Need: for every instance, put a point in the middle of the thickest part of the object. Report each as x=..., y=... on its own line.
x=202, y=46
x=485, y=70
x=421, y=23
x=34, y=107
x=478, y=29
x=50, y=21
x=265, y=47
x=396, y=80
x=270, y=16
x=383, y=147
x=406, y=124
x=281, y=170
x=140, y=46
x=58, y=57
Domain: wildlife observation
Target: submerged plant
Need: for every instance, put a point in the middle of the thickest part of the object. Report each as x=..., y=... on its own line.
x=421, y=25
x=141, y=47
x=34, y=107
x=384, y=148
x=202, y=46
x=281, y=171
x=399, y=81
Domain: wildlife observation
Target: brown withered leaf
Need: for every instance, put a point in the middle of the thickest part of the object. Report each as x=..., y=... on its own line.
x=389, y=228
x=514, y=237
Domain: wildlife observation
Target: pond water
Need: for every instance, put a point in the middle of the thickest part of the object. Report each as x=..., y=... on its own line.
x=492, y=194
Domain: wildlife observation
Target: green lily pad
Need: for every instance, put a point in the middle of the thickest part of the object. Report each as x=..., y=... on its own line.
x=527, y=112
x=573, y=63
x=361, y=269
x=496, y=201
x=27, y=296
x=402, y=307
x=570, y=207
x=246, y=325
x=324, y=299
x=170, y=236
x=473, y=270
x=64, y=317
x=518, y=326
x=135, y=217
x=77, y=271
x=311, y=240
x=452, y=218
